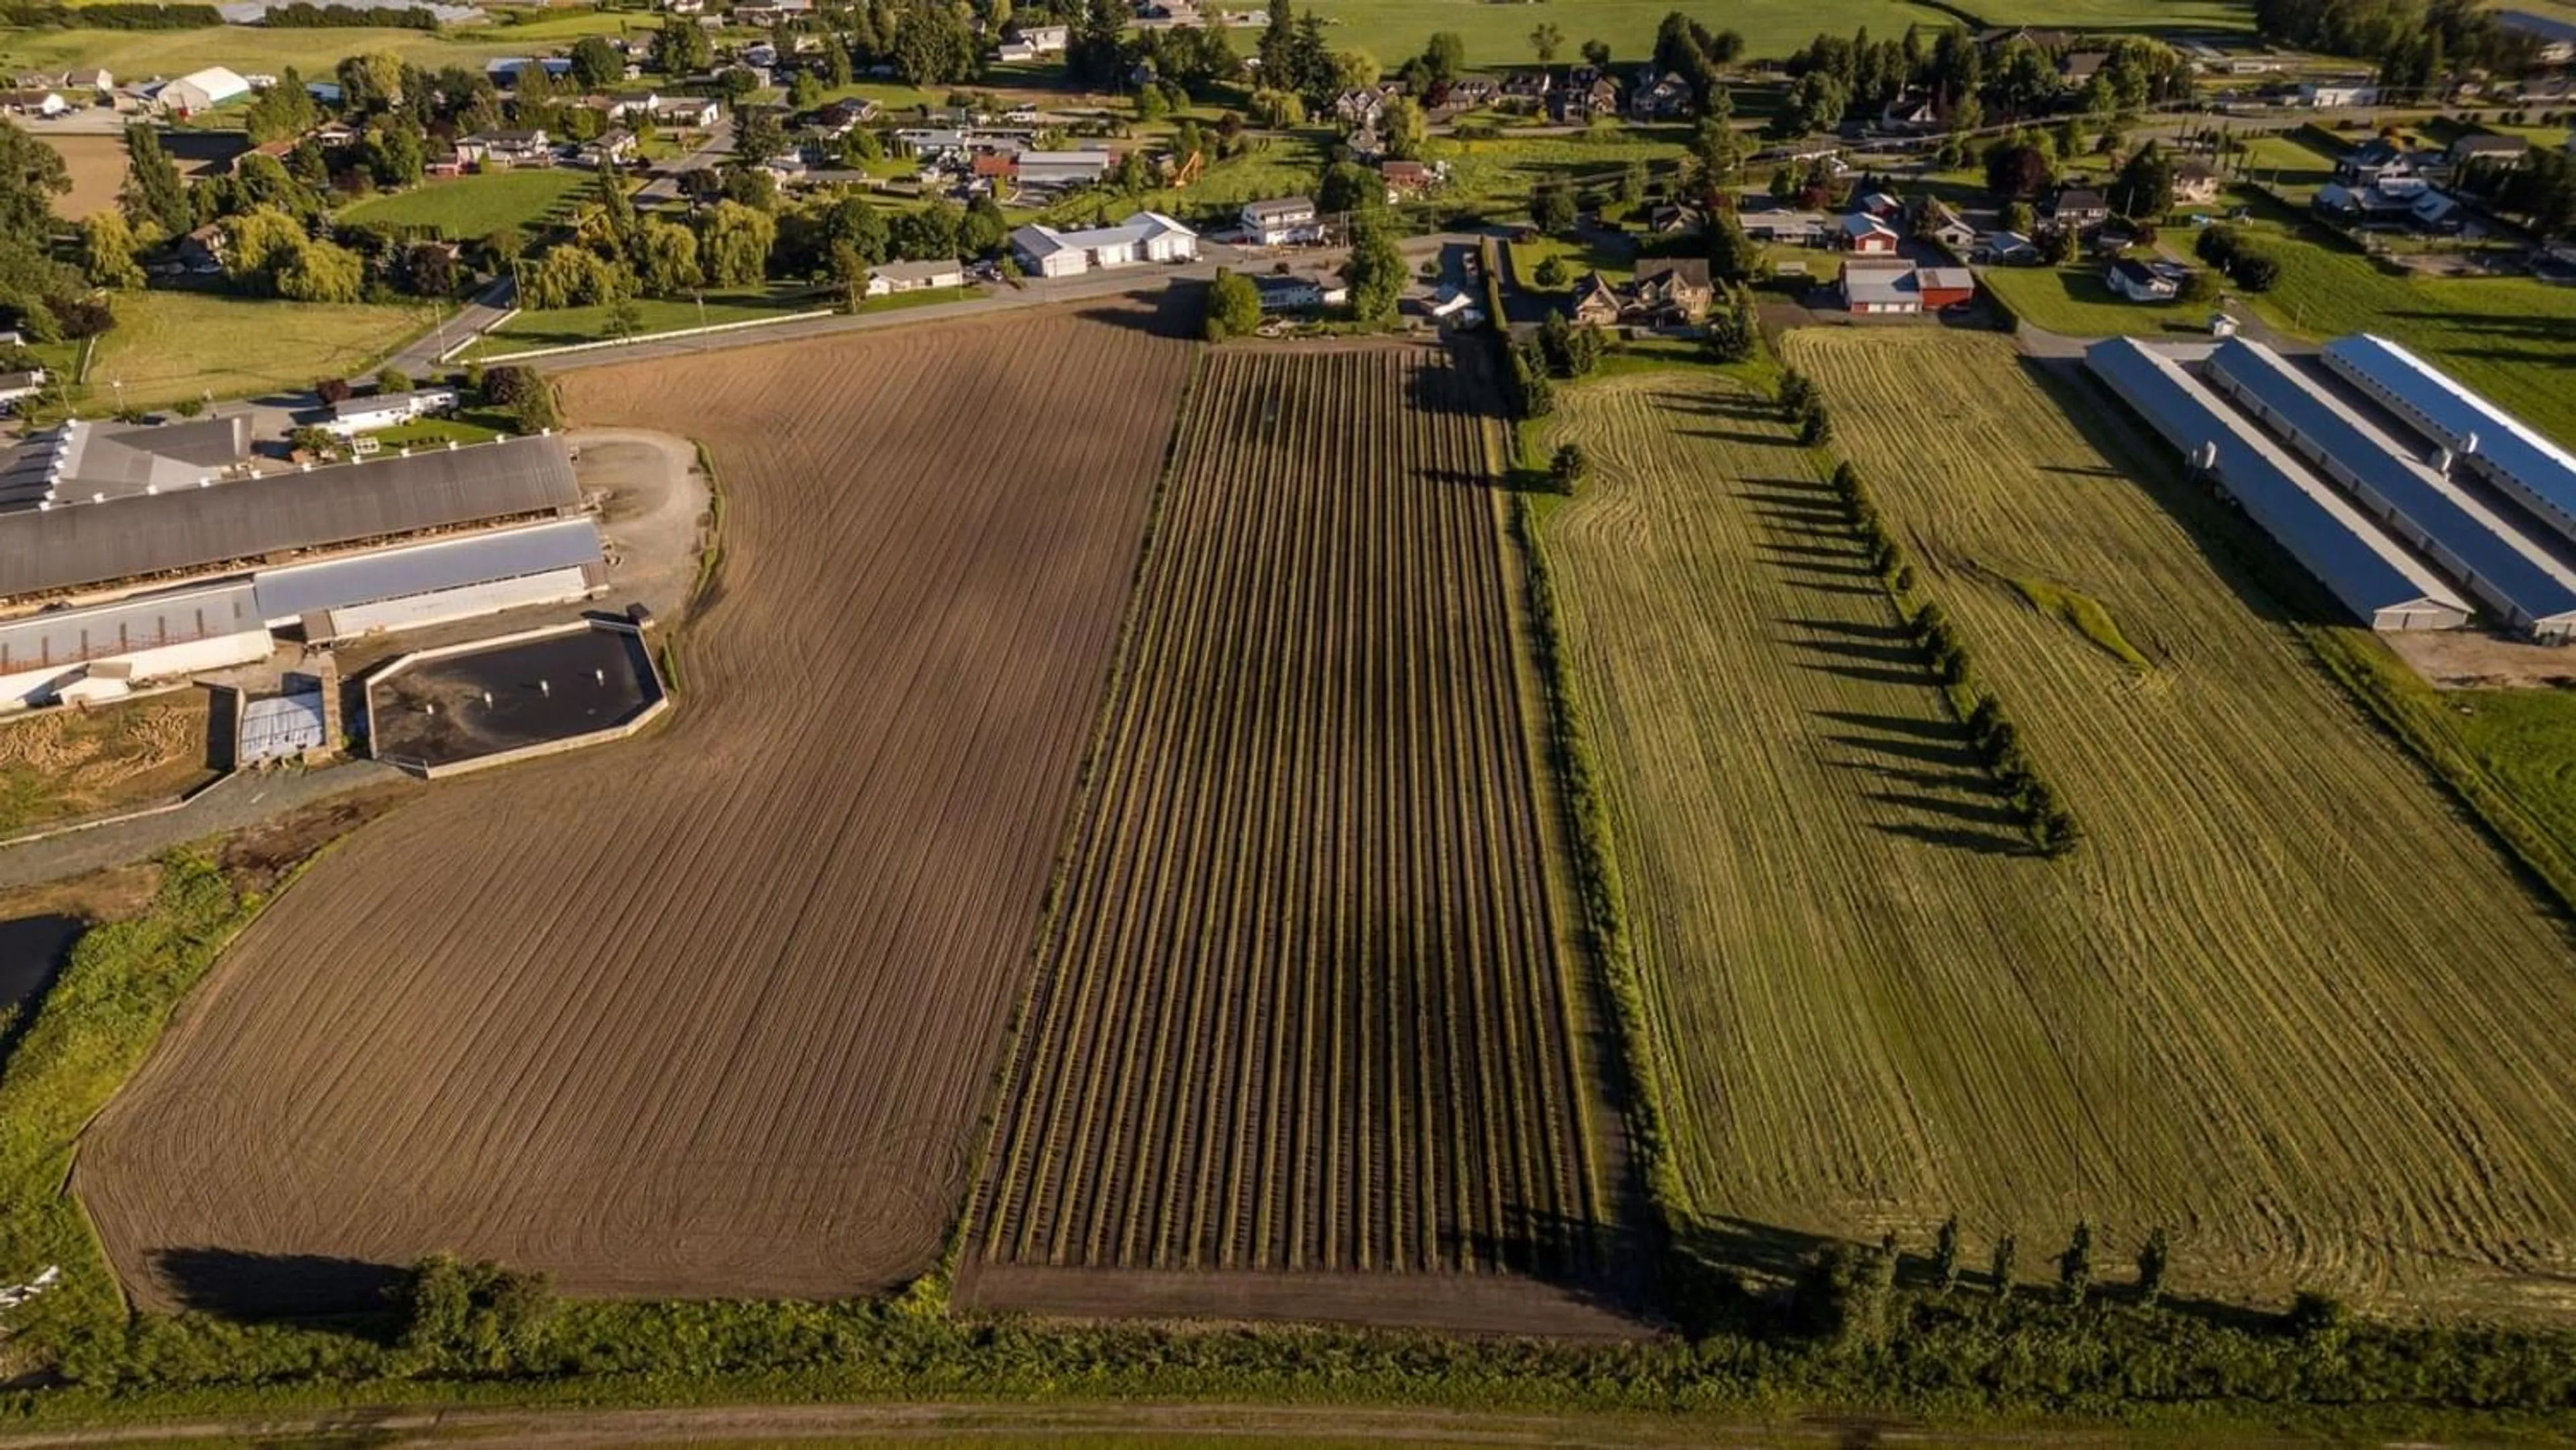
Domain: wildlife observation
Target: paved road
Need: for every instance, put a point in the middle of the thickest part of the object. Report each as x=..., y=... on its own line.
x=485, y=311
x=230, y=805
x=666, y=186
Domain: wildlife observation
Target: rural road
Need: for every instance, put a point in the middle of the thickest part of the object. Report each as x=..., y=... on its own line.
x=231, y=804
x=666, y=185
x=420, y=356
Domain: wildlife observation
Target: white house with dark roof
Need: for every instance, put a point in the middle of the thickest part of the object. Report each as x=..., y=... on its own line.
x=1280, y=222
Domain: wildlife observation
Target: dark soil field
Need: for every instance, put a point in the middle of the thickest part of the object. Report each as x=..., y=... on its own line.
x=1307, y=1009
x=712, y=1013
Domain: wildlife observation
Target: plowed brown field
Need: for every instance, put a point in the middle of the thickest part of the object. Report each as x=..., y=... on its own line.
x=713, y=1013
x=1306, y=1006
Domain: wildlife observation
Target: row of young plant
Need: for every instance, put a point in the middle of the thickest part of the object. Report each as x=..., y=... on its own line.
x=2036, y=803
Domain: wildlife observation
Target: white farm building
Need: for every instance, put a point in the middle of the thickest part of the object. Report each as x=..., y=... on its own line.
x=201, y=90
x=1148, y=236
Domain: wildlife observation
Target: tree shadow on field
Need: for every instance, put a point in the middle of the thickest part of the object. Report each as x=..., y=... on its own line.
x=1171, y=312
x=1902, y=652
x=1606, y=1266
x=239, y=1284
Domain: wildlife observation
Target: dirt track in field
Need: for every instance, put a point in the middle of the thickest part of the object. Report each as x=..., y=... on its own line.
x=1306, y=1007
x=712, y=1013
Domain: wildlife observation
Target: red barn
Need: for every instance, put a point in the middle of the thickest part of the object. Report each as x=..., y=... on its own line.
x=1946, y=286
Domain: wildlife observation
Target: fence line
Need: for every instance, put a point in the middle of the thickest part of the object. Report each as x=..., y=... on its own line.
x=748, y=322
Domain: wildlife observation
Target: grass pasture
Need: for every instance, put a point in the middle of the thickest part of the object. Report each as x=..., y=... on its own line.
x=2075, y=301
x=567, y=326
x=2284, y=1000
x=1497, y=36
x=168, y=346
x=471, y=207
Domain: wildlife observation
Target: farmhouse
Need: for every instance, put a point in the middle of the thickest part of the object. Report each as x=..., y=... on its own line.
x=1281, y=222
x=896, y=277
x=2513, y=574
x=1881, y=289
x=1596, y=301
x=1868, y=236
x=40, y=104
x=612, y=147
x=200, y=90
x=1664, y=98
x=1671, y=291
x=505, y=148
x=1145, y=237
x=2375, y=161
x=19, y=386
x=1576, y=105
x=1405, y=178
x=2139, y=282
x=1910, y=115
x=172, y=569
x=2495, y=445
x=353, y=416
x=1293, y=293
x=1942, y=225
x=2327, y=95
x=2357, y=561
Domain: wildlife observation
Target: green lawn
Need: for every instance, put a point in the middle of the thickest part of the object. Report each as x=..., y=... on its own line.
x=2073, y=299
x=167, y=346
x=469, y=207
x=1288, y=166
x=260, y=49
x=2289, y=163
x=572, y=325
x=1578, y=257
x=439, y=432
x=1501, y=173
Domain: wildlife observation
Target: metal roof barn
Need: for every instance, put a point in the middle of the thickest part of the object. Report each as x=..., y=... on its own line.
x=2357, y=562
x=2515, y=576
x=63, y=637
x=287, y=595
x=280, y=725
x=73, y=545
x=2499, y=446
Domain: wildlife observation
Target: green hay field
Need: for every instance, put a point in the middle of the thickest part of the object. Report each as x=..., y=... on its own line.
x=2284, y=1000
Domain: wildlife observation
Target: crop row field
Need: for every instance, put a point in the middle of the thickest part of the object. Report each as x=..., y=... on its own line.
x=714, y=1012
x=1307, y=1005
x=2284, y=1000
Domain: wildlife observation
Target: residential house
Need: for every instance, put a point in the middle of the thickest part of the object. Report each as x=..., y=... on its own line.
x=688, y=113
x=1405, y=178
x=1296, y=293
x=768, y=13
x=353, y=416
x=1886, y=206
x=2076, y=68
x=2553, y=39
x=1046, y=39
x=1661, y=98
x=612, y=147
x=999, y=171
x=1527, y=89
x=2076, y=207
x=488, y=149
x=40, y=104
x=1361, y=106
x=1145, y=237
x=1596, y=301
x=2195, y=183
x=1467, y=93
x=1940, y=224
x=2374, y=161
x=1881, y=288
x=1574, y=105
x=84, y=84
x=1867, y=236
x=2435, y=211
x=1779, y=222
x=2009, y=249
x=2390, y=200
x=1910, y=115
x=2481, y=146
x=896, y=277
x=1941, y=287
x=203, y=249
x=1670, y=292
x=2049, y=42
x=200, y=90
x=2142, y=283
x=1283, y=222
x=1676, y=219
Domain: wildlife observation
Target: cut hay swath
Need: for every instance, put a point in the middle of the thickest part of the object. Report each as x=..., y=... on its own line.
x=2285, y=1000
